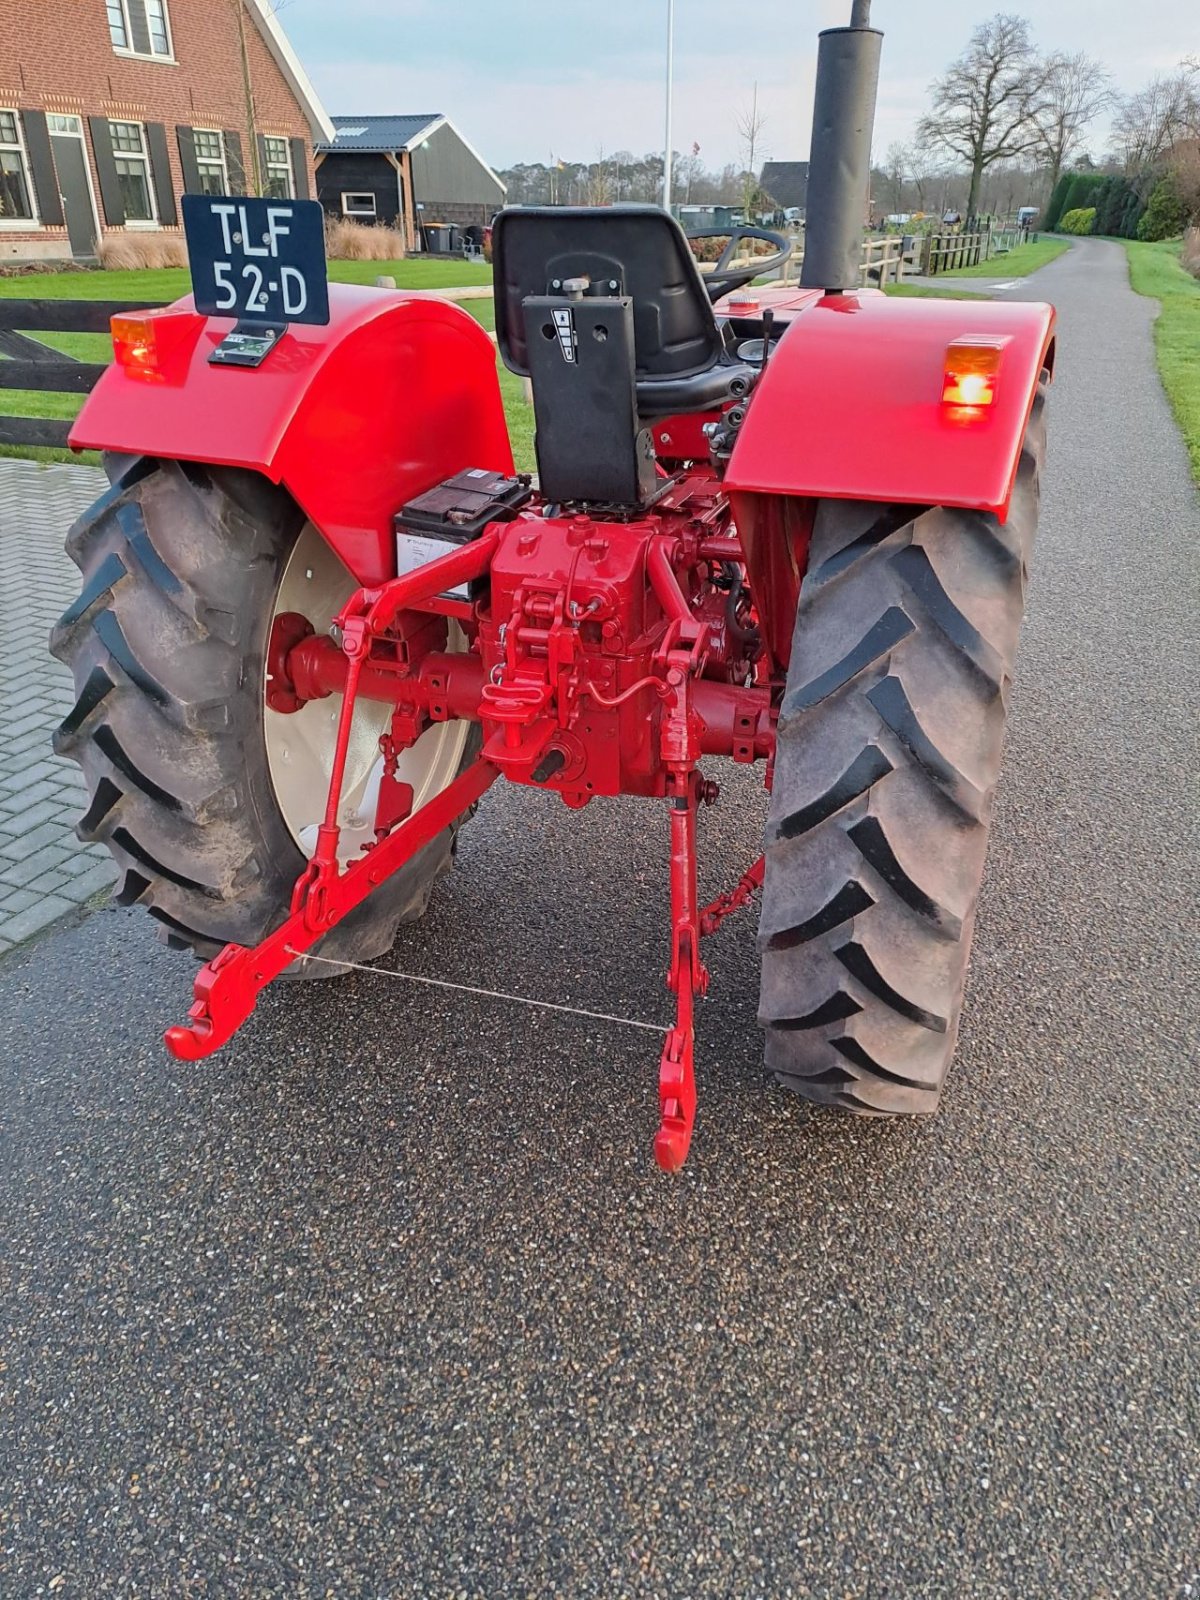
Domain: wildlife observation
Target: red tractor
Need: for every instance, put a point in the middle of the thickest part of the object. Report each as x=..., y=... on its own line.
x=321, y=613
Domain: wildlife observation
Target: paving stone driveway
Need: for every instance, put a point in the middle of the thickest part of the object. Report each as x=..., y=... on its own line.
x=45, y=872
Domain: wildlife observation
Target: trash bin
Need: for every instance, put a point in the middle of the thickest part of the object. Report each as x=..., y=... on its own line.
x=438, y=234
x=455, y=245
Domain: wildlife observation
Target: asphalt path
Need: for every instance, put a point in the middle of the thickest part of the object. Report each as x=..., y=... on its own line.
x=388, y=1298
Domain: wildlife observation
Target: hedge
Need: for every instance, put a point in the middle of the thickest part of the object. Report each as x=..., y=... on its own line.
x=1118, y=204
x=1165, y=214
x=1080, y=221
x=1055, y=209
x=1083, y=191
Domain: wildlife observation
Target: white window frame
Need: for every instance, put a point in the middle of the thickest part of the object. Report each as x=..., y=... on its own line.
x=144, y=157
x=22, y=224
x=119, y=7
x=208, y=161
x=143, y=55
x=359, y=211
x=270, y=166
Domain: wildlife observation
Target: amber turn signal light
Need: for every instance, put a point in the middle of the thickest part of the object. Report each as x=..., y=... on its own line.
x=141, y=339
x=971, y=369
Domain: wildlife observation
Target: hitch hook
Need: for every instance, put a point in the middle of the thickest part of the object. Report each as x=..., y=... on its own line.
x=686, y=978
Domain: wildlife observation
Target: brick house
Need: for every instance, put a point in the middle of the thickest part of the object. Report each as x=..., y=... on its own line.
x=111, y=109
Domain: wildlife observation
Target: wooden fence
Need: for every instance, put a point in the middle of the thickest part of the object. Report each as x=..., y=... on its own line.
x=1005, y=239
x=31, y=365
x=893, y=258
x=948, y=252
x=888, y=260
x=884, y=260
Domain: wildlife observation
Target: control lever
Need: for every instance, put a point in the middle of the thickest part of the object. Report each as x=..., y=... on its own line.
x=768, y=322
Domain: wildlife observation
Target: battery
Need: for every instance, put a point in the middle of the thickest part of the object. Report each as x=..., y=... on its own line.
x=453, y=513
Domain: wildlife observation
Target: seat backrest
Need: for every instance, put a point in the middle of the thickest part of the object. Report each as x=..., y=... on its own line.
x=638, y=251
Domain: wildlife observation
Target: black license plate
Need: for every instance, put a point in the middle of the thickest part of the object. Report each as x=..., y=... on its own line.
x=257, y=260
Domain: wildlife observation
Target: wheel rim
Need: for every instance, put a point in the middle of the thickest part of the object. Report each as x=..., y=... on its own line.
x=300, y=744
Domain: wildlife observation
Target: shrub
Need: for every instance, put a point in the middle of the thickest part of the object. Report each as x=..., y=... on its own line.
x=132, y=252
x=1082, y=192
x=1054, y=210
x=31, y=269
x=1111, y=211
x=707, y=250
x=1079, y=221
x=1075, y=191
x=1134, y=208
x=346, y=240
x=1165, y=213
x=1103, y=200
x=1184, y=163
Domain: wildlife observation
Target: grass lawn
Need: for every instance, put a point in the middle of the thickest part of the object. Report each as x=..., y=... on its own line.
x=916, y=291
x=169, y=284
x=164, y=285
x=1018, y=263
x=1155, y=270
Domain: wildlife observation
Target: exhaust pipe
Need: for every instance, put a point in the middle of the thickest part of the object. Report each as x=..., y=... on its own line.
x=839, y=162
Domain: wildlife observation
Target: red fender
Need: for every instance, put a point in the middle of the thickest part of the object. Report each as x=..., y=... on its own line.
x=850, y=406
x=395, y=394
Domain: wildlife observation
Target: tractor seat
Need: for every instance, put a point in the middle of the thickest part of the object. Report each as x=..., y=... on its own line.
x=681, y=362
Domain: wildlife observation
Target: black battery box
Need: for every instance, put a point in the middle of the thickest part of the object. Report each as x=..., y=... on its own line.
x=453, y=513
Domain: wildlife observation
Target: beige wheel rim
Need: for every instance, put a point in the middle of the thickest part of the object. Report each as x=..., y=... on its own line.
x=300, y=744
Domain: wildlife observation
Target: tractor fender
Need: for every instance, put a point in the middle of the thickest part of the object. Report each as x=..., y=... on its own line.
x=396, y=393
x=850, y=406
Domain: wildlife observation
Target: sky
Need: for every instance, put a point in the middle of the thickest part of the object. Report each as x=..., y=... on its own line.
x=527, y=79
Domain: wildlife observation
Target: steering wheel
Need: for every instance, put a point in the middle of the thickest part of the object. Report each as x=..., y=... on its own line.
x=721, y=280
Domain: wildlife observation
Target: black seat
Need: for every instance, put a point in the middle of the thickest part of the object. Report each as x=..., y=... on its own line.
x=681, y=362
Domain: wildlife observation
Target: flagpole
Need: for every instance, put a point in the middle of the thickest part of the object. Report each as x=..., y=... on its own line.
x=670, y=68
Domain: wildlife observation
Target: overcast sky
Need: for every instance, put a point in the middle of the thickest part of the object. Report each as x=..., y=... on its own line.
x=526, y=78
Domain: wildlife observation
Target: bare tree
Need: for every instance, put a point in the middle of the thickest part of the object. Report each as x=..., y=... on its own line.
x=254, y=172
x=687, y=169
x=599, y=181
x=1077, y=90
x=1004, y=182
x=986, y=107
x=1185, y=170
x=1157, y=117
x=923, y=169
x=750, y=124
x=895, y=167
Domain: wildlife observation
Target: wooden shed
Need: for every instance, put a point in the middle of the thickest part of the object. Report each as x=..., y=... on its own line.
x=414, y=172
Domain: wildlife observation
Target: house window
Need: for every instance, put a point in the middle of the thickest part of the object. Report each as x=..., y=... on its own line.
x=156, y=19
x=277, y=179
x=139, y=27
x=118, y=31
x=16, y=196
x=210, y=162
x=358, y=205
x=133, y=170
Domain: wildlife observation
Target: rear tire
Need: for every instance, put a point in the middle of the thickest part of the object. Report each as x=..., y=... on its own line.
x=886, y=766
x=181, y=568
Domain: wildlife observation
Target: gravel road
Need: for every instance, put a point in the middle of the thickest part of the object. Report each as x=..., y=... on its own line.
x=389, y=1300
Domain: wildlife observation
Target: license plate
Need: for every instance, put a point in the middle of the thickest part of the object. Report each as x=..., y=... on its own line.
x=257, y=260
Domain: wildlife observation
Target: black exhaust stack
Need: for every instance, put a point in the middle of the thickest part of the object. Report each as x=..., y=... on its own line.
x=839, y=163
